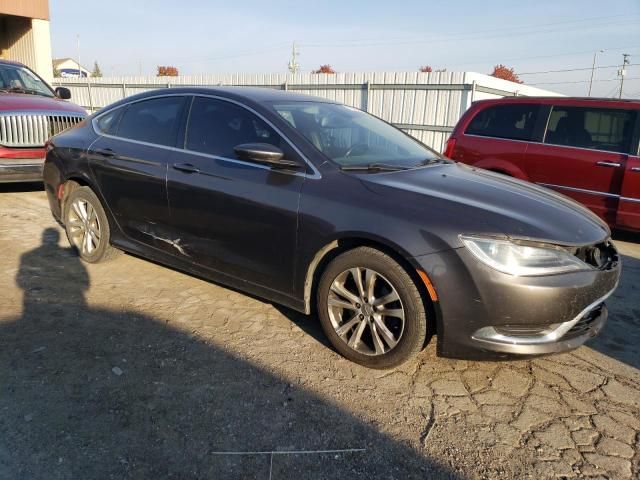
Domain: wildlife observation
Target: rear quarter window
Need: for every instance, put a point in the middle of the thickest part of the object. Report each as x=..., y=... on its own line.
x=107, y=124
x=515, y=122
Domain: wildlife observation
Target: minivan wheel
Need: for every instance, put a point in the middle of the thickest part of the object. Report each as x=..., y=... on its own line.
x=87, y=226
x=370, y=309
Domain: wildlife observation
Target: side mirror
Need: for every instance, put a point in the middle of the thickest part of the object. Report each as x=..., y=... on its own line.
x=264, y=153
x=63, y=93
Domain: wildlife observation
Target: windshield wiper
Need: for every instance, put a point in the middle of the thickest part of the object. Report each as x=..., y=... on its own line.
x=430, y=161
x=23, y=90
x=373, y=167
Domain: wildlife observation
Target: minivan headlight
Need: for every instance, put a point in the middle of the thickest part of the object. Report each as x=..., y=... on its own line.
x=523, y=260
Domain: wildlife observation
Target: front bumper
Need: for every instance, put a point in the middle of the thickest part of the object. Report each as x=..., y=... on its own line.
x=21, y=164
x=21, y=170
x=484, y=313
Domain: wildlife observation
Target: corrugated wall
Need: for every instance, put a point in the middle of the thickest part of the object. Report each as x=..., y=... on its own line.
x=27, y=41
x=18, y=42
x=425, y=105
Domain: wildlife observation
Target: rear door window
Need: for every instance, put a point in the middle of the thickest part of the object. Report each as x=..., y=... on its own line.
x=593, y=128
x=152, y=121
x=515, y=122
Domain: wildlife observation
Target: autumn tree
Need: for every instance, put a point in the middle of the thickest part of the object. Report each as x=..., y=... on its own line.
x=167, y=71
x=324, y=69
x=505, y=73
x=96, y=70
x=426, y=69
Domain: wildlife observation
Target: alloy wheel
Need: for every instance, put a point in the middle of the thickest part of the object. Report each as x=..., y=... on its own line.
x=84, y=226
x=366, y=311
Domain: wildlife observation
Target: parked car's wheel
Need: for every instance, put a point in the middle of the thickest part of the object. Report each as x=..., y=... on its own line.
x=87, y=226
x=370, y=309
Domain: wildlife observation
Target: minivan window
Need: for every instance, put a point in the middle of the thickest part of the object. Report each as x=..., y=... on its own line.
x=153, y=121
x=216, y=127
x=516, y=122
x=594, y=128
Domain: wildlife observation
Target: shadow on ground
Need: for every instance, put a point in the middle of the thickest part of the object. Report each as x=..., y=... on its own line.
x=97, y=393
x=21, y=187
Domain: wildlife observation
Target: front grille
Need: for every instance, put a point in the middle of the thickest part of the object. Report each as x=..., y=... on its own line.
x=33, y=130
x=586, y=322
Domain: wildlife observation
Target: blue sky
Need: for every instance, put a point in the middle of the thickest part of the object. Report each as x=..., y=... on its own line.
x=255, y=36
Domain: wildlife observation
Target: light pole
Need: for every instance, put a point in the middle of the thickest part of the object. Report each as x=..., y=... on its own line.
x=593, y=69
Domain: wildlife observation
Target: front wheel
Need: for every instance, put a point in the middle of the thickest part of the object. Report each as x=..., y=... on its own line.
x=87, y=226
x=370, y=309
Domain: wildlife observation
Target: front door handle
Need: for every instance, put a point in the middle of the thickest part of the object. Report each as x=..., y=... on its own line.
x=608, y=164
x=635, y=169
x=105, y=152
x=186, y=167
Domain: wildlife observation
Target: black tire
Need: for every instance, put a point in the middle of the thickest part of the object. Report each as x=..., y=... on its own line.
x=101, y=249
x=414, y=333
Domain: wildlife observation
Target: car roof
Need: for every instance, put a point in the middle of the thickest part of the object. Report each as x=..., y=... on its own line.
x=250, y=94
x=587, y=101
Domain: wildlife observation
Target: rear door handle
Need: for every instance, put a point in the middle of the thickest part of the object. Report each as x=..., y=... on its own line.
x=608, y=164
x=186, y=167
x=105, y=152
x=635, y=169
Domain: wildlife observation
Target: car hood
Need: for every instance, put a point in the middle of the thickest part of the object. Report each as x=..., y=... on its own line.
x=458, y=199
x=25, y=102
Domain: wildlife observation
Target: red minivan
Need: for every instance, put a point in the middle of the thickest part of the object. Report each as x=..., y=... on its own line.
x=583, y=147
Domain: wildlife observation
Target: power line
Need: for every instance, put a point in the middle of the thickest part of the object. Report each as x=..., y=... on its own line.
x=463, y=36
x=576, y=69
x=598, y=21
x=608, y=49
x=581, y=81
x=455, y=66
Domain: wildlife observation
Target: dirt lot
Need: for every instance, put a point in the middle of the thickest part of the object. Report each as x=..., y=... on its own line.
x=131, y=370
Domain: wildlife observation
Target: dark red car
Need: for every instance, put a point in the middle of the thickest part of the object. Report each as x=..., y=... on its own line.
x=583, y=147
x=30, y=113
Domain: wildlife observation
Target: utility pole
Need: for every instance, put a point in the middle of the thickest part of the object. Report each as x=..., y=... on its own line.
x=593, y=69
x=78, y=46
x=294, y=66
x=622, y=72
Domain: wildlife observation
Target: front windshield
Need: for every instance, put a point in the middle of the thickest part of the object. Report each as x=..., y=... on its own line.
x=14, y=78
x=353, y=138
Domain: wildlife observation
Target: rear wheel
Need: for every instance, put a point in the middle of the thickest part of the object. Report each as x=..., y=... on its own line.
x=87, y=226
x=370, y=309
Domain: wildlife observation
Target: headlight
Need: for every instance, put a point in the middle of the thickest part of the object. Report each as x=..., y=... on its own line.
x=523, y=260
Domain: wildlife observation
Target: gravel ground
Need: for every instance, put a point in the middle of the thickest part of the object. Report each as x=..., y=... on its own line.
x=131, y=370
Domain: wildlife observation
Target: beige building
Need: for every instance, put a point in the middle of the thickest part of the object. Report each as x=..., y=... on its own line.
x=69, y=68
x=25, y=35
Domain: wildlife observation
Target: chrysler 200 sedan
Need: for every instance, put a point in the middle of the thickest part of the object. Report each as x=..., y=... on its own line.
x=324, y=208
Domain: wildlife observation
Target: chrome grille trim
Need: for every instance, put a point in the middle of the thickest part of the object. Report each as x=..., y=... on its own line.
x=33, y=129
